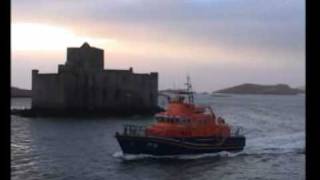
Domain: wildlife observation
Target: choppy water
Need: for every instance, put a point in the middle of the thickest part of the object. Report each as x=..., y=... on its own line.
x=47, y=148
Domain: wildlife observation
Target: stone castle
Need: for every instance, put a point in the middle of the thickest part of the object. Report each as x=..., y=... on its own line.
x=82, y=83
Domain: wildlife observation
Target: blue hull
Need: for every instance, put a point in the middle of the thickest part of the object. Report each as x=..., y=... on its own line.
x=177, y=146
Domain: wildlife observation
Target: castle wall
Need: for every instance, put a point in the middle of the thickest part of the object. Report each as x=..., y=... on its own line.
x=107, y=89
x=131, y=90
x=47, y=91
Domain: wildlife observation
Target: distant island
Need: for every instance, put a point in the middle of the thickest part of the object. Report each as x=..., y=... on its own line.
x=18, y=92
x=278, y=89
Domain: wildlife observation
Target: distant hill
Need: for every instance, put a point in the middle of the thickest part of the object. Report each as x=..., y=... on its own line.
x=170, y=90
x=17, y=92
x=278, y=89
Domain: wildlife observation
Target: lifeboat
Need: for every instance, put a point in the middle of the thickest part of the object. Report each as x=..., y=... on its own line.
x=184, y=128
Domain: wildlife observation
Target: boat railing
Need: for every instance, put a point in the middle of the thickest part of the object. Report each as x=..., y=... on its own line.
x=134, y=130
x=236, y=131
x=139, y=130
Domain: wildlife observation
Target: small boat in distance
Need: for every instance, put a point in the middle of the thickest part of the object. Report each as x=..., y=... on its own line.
x=184, y=128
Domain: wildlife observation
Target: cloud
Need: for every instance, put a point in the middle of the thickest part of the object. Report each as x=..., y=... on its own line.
x=273, y=24
x=252, y=33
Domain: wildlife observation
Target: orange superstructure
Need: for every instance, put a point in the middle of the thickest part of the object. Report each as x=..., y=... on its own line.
x=185, y=119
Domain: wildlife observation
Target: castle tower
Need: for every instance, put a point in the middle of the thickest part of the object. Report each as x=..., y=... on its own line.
x=85, y=58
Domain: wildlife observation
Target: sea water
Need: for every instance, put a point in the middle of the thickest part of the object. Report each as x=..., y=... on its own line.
x=82, y=149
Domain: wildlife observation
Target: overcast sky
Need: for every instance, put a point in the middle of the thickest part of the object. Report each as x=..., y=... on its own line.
x=219, y=43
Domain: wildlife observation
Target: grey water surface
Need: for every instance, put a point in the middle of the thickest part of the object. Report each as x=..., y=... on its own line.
x=85, y=149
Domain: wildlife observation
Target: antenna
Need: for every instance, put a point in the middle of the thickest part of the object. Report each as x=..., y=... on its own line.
x=189, y=89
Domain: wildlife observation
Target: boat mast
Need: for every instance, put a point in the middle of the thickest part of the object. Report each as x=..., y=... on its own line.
x=189, y=90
